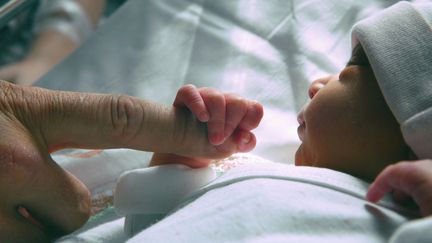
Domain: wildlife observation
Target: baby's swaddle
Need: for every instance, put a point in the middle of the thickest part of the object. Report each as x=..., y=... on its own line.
x=146, y=195
x=258, y=200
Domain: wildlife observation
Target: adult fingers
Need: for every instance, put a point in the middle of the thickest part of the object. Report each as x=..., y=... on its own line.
x=84, y=120
x=215, y=102
x=190, y=97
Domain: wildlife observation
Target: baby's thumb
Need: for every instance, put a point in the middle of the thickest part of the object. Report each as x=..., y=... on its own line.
x=240, y=141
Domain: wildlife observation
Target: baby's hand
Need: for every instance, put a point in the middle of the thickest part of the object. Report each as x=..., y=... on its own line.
x=406, y=180
x=230, y=120
x=224, y=112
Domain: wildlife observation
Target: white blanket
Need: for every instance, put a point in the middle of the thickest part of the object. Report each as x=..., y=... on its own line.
x=265, y=202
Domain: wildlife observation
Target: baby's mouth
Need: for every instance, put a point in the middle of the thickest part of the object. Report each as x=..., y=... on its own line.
x=300, y=118
x=302, y=125
x=300, y=131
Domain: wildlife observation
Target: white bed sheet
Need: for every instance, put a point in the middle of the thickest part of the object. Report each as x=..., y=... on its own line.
x=265, y=50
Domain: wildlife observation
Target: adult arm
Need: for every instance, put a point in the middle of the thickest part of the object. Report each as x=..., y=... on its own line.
x=39, y=199
x=50, y=46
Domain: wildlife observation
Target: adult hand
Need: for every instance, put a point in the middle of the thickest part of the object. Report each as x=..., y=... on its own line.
x=39, y=200
x=230, y=120
x=407, y=180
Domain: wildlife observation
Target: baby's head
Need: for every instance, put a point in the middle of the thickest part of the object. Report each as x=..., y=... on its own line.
x=378, y=110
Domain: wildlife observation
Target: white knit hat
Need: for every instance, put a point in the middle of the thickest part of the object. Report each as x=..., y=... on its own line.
x=398, y=44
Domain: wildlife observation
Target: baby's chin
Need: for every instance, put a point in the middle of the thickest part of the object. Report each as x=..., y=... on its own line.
x=303, y=157
x=299, y=156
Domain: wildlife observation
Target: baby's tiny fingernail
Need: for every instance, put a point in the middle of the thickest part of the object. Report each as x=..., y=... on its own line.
x=216, y=138
x=204, y=116
x=246, y=138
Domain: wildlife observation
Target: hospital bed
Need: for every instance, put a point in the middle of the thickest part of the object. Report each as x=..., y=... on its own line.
x=264, y=50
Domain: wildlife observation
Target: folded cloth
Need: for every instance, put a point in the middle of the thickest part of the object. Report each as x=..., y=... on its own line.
x=159, y=189
x=275, y=202
x=146, y=195
x=398, y=44
x=416, y=231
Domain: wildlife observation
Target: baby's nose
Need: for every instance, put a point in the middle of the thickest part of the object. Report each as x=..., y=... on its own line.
x=320, y=83
x=314, y=88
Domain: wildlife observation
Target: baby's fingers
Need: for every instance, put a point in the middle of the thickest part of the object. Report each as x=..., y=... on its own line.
x=236, y=110
x=388, y=180
x=252, y=119
x=190, y=97
x=215, y=102
x=406, y=179
x=246, y=141
x=240, y=141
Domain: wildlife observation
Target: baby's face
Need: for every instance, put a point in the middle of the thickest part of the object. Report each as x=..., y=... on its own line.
x=347, y=125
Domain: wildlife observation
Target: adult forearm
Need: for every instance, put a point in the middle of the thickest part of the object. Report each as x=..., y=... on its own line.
x=50, y=47
x=93, y=8
x=62, y=26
